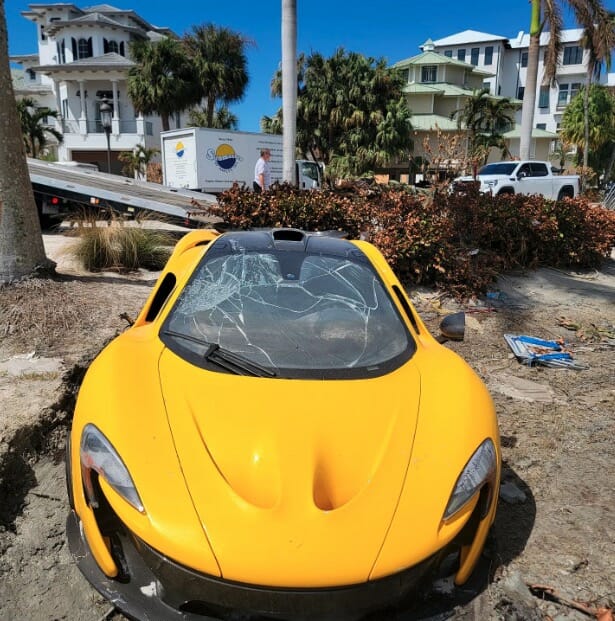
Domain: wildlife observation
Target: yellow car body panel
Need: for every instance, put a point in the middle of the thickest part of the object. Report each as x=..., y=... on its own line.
x=297, y=479
x=285, y=482
x=121, y=395
x=443, y=445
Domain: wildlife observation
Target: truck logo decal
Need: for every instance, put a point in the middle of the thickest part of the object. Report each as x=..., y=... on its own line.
x=179, y=149
x=224, y=157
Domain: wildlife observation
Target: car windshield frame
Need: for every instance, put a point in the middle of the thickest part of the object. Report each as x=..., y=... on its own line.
x=314, y=308
x=498, y=168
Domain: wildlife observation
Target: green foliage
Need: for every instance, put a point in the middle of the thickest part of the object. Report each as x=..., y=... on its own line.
x=136, y=161
x=223, y=118
x=601, y=124
x=458, y=242
x=121, y=248
x=162, y=81
x=220, y=64
x=351, y=112
x=486, y=118
x=34, y=132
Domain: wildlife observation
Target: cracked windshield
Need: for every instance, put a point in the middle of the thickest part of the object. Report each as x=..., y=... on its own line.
x=289, y=310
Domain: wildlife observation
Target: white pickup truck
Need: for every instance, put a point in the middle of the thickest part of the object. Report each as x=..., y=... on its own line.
x=523, y=177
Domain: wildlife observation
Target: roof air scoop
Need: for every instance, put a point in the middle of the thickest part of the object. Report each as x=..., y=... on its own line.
x=288, y=235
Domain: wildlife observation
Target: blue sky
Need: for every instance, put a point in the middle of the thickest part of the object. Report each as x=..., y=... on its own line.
x=382, y=28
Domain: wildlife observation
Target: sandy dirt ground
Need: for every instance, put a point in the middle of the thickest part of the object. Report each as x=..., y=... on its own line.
x=555, y=525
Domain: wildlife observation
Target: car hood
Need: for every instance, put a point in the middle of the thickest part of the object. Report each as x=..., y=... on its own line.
x=288, y=475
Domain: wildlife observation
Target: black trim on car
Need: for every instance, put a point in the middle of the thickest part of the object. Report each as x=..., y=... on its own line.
x=161, y=589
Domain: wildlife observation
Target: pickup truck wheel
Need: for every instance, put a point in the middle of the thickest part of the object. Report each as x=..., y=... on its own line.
x=506, y=192
x=565, y=193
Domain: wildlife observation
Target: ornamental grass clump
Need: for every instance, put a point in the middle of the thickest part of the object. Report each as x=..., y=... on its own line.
x=119, y=247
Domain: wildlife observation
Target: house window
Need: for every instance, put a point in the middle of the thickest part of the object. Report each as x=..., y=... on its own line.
x=573, y=55
x=474, y=55
x=566, y=94
x=429, y=73
x=562, y=96
x=43, y=36
x=489, y=55
x=65, y=108
x=82, y=48
x=524, y=59
x=461, y=55
x=487, y=85
x=520, y=92
x=110, y=46
x=448, y=53
x=543, y=100
x=31, y=74
x=541, y=126
x=61, y=49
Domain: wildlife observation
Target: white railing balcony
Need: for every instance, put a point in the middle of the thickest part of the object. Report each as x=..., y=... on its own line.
x=70, y=127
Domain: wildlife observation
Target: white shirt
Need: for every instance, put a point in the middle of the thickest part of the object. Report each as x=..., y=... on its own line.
x=262, y=168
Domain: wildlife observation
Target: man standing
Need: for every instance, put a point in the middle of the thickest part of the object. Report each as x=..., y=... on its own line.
x=262, y=172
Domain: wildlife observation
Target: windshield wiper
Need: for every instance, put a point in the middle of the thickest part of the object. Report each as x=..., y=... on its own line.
x=226, y=359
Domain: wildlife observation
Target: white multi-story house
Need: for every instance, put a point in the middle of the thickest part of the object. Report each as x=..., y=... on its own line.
x=83, y=61
x=507, y=58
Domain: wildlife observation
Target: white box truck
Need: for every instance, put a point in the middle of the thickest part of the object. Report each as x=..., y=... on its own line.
x=211, y=160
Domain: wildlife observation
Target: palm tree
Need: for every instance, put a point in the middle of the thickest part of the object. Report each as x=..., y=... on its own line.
x=223, y=118
x=136, y=161
x=220, y=64
x=593, y=18
x=472, y=115
x=162, y=82
x=595, y=144
x=21, y=242
x=486, y=118
x=351, y=112
x=32, y=128
x=289, y=87
x=599, y=45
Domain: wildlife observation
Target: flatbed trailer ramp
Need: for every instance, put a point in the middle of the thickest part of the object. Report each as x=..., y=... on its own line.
x=59, y=189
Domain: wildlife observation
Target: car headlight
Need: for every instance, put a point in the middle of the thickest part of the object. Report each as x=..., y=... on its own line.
x=480, y=468
x=98, y=455
x=492, y=183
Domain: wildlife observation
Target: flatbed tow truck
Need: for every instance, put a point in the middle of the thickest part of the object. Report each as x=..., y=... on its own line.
x=61, y=191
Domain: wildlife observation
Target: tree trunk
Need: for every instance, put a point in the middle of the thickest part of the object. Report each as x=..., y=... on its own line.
x=21, y=244
x=289, y=87
x=609, y=168
x=211, y=107
x=590, y=70
x=531, y=81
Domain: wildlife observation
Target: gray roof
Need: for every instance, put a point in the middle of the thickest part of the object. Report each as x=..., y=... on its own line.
x=102, y=8
x=38, y=10
x=106, y=61
x=23, y=58
x=92, y=19
x=25, y=87
x=468, y=36
x=570, y=35
x=435, y=58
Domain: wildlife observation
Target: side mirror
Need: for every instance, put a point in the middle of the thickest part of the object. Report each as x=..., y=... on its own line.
x=521, y=175
x=452, y=328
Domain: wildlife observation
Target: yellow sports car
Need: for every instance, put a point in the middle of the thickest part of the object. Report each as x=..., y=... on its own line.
x=278, y=435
